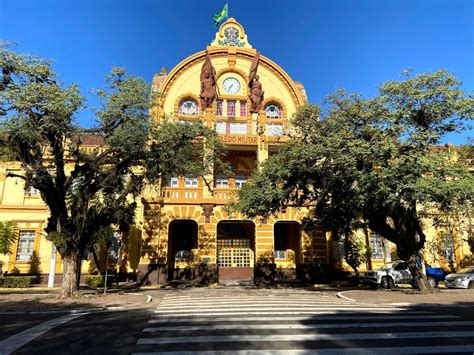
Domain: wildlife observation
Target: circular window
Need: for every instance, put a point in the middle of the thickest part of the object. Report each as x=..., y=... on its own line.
x=272, y=111
x=188, y=107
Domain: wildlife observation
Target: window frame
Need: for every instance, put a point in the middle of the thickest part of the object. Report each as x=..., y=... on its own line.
x=191, y=182
x=231, y=106
x=30, y=244
x=279, y=111
x=243, y=108
x=220, y=179
x=376, y=246
x=219, y=107
x=190, y=100
x=240, y=180
x=172, y=182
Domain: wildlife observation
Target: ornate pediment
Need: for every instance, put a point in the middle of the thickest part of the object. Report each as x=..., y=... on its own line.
x=231, y=33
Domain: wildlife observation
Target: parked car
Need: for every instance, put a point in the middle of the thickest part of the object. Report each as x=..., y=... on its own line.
x=397, y=272
x=462, y=279
x=435, y=275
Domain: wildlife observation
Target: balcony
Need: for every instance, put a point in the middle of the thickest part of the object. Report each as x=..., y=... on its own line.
x=222, y=195
x=181, y=195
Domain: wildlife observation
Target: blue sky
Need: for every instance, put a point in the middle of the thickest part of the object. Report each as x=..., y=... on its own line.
x=325, y=44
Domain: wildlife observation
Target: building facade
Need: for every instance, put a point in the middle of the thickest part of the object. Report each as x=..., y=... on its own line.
x=184, y=229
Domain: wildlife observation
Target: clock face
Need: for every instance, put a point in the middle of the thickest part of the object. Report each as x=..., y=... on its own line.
x=231, y=86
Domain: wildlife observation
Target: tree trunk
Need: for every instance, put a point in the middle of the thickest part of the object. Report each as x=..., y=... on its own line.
x=69, y=285
x=96, y=260
x=419, y=279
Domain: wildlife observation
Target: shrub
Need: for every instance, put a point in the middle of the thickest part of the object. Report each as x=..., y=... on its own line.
x=96, y=281
x=18, y=281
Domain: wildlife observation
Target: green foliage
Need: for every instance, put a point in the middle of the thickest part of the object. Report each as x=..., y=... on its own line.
x=18, y=281
x=97, y=281
x=8, y=235
x=371, y=162
x=38, y=127
x=356, y=251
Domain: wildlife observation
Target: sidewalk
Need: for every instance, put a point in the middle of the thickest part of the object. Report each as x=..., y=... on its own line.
x=39, y=300
x=407, y=296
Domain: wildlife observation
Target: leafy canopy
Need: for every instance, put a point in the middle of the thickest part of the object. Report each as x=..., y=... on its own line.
x=371, y=161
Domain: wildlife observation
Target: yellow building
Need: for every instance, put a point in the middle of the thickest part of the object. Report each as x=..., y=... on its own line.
x=184, y=230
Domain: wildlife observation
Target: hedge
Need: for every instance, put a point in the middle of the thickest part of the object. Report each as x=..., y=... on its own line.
x=96, y=281
x=18, y=281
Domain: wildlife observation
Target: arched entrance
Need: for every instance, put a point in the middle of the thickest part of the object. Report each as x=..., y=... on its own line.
x=182, y=239
x=235, y=249
x=287, y=241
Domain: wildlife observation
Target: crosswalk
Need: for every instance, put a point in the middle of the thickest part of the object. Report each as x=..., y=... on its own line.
x=296, y=322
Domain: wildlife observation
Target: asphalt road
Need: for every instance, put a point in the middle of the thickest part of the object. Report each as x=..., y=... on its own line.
x=277, y=321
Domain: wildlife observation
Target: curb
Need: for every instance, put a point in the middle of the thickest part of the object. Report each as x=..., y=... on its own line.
x=430, y=305
x=406, y=304
x=67, y=311
x=149, y=298
x=340, y=295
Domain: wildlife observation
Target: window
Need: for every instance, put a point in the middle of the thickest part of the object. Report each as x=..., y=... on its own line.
x=282, y=243
x=243, y=108
x=274, y=129
x=376, y=244
x=26, y=243
x=219, y=107
x=230, y=108
x=221, y=127
x=31, y=191
x=273, y=111
x=191, y=182
x=238, y=128
x=182, y=255
x=188, y=107
x=231, y=128
x=173, y=182
x=279, y=254
x=401, y=266
x=448, y=247
x=222, y=181
x=240, y=181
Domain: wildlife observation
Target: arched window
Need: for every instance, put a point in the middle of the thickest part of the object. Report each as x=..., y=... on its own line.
x=273, y=111
x=188, y=107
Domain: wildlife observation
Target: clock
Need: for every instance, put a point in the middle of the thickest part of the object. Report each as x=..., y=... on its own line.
x=231, y=85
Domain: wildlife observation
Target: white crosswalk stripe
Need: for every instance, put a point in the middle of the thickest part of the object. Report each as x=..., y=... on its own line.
x=300, y=323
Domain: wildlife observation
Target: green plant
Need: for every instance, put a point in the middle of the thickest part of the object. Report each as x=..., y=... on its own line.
x=97, y=281
x=8, y=235
x=18, y=281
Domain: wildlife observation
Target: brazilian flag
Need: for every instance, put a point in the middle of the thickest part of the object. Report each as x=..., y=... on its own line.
x=219, y=16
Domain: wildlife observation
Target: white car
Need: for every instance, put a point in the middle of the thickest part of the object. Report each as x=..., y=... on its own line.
x=388, y=275
x=462, y=279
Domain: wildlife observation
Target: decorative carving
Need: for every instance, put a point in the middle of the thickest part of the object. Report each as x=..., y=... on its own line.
x=208, y=212
x=256, y=92
x=208, y=83
x=223, y=52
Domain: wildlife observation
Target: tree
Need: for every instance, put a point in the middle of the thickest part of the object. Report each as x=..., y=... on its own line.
x=371, y=162
x=89, y=190
x=8, y=235
x=355, y=252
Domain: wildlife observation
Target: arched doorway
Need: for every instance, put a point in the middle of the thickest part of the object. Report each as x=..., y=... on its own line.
x=287, y=242
x=235, y=249
x=182, y=239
